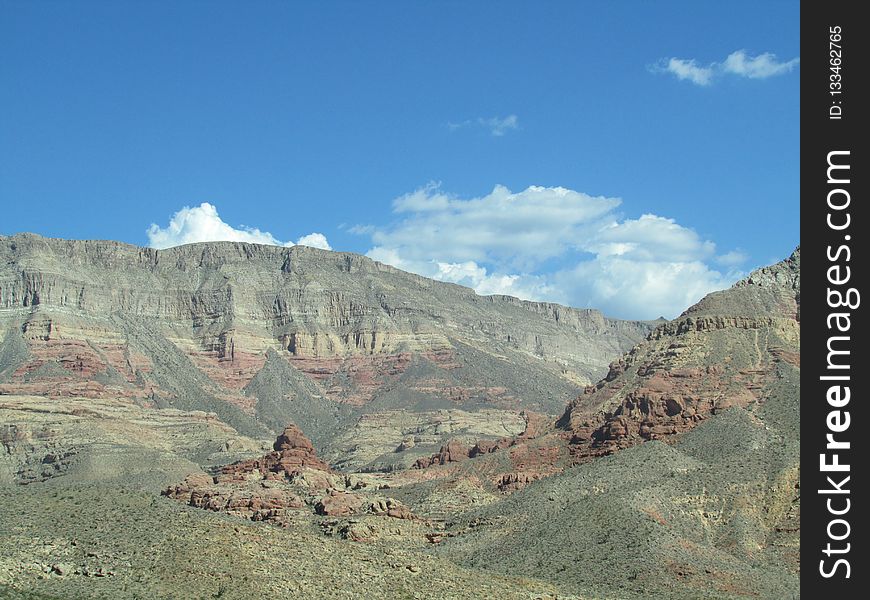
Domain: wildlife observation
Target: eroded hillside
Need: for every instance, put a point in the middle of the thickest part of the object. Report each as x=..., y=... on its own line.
x=387, y=453
x=263, y=336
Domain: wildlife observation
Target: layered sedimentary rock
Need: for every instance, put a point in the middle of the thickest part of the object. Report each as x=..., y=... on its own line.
x=262, y=336
x=681, y=468
x=727, y=351
x=720, y=353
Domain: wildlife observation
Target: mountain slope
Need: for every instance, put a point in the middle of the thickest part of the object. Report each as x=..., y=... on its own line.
x=688, y=482
x=724, y=351
x=262, y=335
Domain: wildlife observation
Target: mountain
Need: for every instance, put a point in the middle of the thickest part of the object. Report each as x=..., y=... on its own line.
x=724, y=351
x=686, y=476
x=233, y=420
x=360, y=355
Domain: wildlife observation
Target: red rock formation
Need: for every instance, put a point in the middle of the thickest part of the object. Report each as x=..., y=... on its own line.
x=237, y=489
x=488, y=446
x=455, y=451
x=669, y=383
x=391, y=508
x=338, y=504
x=658, y=403
x=293, y=452
x=260, y=503
x=452, y=451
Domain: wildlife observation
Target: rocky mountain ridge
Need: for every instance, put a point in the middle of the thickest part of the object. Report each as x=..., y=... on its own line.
x=263, y=336
x=718, y=354
x=675, y=476
x=682, y=465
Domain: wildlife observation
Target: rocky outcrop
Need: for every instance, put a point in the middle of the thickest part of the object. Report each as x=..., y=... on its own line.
x=534, y=425
x=390, y=507
x=511, y=482
x=720, y=353
x=453, y=451
x=260, y=503
x=292, y=440
x=338, y=504
x=293, y=454
x=286, y=483
x=272, y=487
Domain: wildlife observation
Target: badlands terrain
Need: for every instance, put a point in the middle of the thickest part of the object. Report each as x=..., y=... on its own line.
x=229, y=420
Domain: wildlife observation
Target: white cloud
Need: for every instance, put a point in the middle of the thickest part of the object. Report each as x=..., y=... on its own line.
x=425, y=199
x=360, y=229
x=737, y=63
x=757, y=67
x=507, y=243
x=639, y=289
x=651, y=238
x=643, y=268
x=689, y=69
x=470, y=274
x=497, y=126
x=203, y=224
x=516, y=229
x=315, y=240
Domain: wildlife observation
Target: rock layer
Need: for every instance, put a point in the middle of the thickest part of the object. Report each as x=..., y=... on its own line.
x=263, y=335
x=720, y=353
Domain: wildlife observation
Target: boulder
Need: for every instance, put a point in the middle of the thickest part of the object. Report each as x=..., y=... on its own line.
x=338, y=504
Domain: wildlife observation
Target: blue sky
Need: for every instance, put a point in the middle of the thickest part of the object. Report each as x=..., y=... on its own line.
x=629, y=156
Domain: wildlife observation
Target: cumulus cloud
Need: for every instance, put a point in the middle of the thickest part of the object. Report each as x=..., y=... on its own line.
x=650, y=266
x=515, y=229
x=738, y=63
x=551, y=243
x=640, y=289
x=470, y=274
x=497, y=126
x=203, y=224
x=650, y=238
x=315, y=240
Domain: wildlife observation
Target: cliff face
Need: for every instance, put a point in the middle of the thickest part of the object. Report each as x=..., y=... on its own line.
x=263, y=335
x=722, y=352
